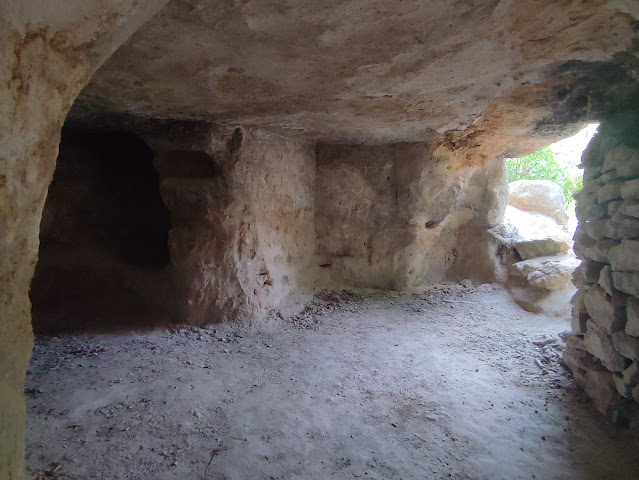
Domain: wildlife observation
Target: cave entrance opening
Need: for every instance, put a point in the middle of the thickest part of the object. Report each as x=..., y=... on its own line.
x=558, y=163
x=540, y=223
x=103, y=237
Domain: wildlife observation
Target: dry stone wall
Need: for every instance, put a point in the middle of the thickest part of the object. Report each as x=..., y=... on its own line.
x=603, y=352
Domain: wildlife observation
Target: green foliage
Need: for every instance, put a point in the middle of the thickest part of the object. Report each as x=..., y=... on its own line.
x=542, y=165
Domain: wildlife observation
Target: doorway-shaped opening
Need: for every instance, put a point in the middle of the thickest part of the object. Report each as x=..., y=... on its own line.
x=540, y=222
x=103, y=237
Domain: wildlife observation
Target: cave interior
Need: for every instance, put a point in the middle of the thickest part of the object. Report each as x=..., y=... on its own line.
x=195, y=163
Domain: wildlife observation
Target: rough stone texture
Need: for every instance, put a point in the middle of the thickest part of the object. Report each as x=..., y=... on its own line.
x=632, y=313
x=551, y=273
x=623, y=162
x=603, y=312
x=621, y=387
x=541, y=196
x=619, y=227
x=579, y=316
x=541, y=281
x=591, y=270
x=630, y=190
x=598, y=251
x=242, y=217
x=578, y=360
x=475, y=80
x=628, y=208
x=577, y=301
x=608, y=279
x=623, y=227
x=540, y=247
x=610, y=191
x=601, y=388
x=579, y=323
x=611, y=208
x=598, y=343
x=392, y=216
x=535, y=235
x=579, y=280
x=627, y=282
x=587, y=207
x=598, y=229
x=626, y=345
x=47, y=56
x=409, y=73
x=625, y=256
x=631, y=374
x=605, y=280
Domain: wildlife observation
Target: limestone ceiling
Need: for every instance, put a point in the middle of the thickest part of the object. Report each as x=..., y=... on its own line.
x=361, y=70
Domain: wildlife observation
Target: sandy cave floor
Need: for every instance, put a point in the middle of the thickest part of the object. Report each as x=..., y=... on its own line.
x=442, y=384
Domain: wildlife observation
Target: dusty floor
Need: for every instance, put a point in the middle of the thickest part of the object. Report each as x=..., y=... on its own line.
x=444, y=384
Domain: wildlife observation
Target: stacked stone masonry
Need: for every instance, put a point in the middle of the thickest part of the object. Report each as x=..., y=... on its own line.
x=603, y=352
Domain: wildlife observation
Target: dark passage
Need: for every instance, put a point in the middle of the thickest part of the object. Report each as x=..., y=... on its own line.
x=103, y=238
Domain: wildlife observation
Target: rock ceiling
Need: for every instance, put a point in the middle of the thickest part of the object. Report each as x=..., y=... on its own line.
x=365, y=70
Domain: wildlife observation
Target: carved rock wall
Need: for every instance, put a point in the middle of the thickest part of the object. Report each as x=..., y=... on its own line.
x=243, y=224
x=392, y=216
x=603, y=352
x=47, y=56
x=506, y=64
x=242, y=216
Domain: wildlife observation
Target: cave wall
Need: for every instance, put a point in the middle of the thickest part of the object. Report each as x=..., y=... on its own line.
x=242, y=214
x=603, y=352
x=47, y=56
x=254, y=216
x=392, y=216
x=103, y=238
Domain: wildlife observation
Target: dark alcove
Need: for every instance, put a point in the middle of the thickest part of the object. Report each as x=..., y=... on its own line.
x=103, y=237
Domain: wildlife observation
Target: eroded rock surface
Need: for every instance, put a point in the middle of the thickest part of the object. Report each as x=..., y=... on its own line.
x=368, y=72
x=552, y=273
x=472, y=80
x=393, y=216
x=535, y=234
x=541, y=196
x=536, y=248
x=242, y=219
x=47, y=56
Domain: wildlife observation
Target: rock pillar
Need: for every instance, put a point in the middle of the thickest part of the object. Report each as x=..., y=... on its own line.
x=242, y=219
x=47, y=56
